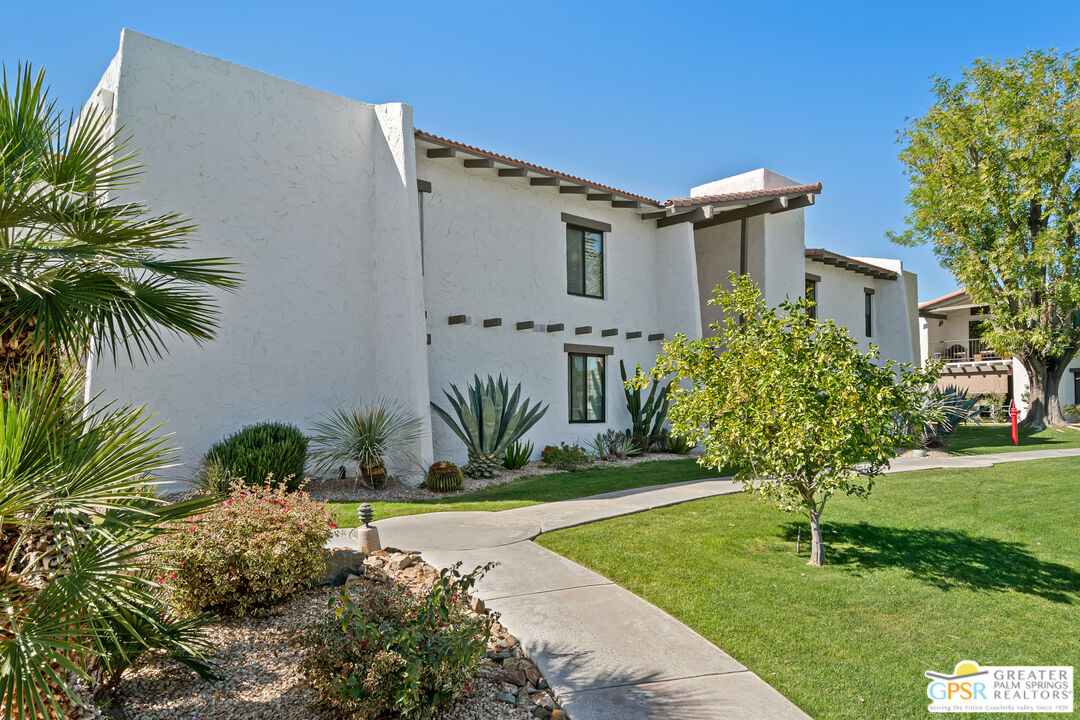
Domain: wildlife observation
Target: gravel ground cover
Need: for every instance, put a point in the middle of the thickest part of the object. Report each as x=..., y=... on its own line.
x=408, y=488
x=258, y=665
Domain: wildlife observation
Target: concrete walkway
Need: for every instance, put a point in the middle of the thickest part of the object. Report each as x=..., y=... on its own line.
x=607, y=653
x=908, y=464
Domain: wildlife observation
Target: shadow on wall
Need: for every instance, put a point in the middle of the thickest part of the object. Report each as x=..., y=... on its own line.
x=946, y=559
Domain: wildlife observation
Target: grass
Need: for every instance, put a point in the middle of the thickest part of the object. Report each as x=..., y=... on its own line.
x=539, y=489
x=935, y=567
x=996, y=437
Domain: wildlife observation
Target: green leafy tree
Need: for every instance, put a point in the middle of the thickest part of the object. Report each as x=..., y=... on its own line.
x=789, y=402
x=76, y=263
x=994, y=173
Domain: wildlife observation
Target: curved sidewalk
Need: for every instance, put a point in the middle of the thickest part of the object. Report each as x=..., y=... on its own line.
x=608, y=654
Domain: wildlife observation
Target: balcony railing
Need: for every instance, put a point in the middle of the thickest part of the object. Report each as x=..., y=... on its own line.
x=964, y=350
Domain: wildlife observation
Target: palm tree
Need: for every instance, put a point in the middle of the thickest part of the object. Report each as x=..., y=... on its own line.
x=76, y=263
x=77, y=589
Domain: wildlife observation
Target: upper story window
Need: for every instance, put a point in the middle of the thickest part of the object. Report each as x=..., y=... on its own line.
x=584, y=261
x=868, y=311
x=811, y=293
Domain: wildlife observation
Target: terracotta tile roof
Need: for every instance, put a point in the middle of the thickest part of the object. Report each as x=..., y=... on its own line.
x=845, y=263
x=473, y=150
x=814, y=188
x=943, y=298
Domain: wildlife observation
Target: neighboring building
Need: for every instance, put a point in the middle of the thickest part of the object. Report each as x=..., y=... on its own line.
x=380, y=260
x=951, y=331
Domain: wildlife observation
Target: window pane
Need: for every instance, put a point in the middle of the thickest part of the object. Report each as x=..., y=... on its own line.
x=596, y=387
x=869, y=314
x=575, y=273
x=811, y=295
x=594, y=264
x=577, y=388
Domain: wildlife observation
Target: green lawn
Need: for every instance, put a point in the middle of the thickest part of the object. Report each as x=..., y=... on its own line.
x=991, y=438
x=935, y=567
x=539, y=489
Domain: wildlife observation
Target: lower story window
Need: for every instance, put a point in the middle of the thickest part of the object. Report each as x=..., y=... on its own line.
x=586, y=388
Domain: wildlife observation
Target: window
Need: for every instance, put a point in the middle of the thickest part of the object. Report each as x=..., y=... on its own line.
x=868, y=311
x=584, y=262
x=811, y=292
x=586, y=388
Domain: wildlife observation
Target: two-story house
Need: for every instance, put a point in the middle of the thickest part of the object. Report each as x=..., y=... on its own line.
x=951, y=329
x=383, y=261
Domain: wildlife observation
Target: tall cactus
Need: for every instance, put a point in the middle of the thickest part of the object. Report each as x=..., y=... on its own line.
x=647, y=417
x=489, y=421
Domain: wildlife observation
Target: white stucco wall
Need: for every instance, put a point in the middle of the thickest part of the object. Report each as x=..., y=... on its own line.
x=314, y=196
x=841, y=297
x=496, y=247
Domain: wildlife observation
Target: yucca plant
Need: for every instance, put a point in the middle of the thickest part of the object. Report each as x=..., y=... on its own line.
x=76, y=262
x=518, y=455
x=648, y=416
x=76, y=516
x=488, y=421
x=443, y=476
x=384, y=432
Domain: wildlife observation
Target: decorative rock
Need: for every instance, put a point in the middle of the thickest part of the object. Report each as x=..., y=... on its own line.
x=400, y=562
x=340, y=563
x=477, y=605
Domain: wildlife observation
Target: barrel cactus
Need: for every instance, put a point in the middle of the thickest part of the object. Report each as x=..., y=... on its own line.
x=443, y=476
x=488, y=421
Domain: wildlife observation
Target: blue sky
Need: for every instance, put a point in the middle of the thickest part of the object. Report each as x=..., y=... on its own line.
x=650, y=98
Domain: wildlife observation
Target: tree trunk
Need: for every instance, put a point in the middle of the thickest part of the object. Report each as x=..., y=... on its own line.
x=1044, y=378
x=817, y=545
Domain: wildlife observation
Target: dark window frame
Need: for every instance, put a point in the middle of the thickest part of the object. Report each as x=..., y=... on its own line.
x=570, y=387
x=810, y=292
x=584, y=265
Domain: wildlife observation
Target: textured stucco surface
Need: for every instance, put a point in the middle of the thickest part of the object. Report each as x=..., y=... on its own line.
x=313, y=195
x=841, y=296
x=496, y=247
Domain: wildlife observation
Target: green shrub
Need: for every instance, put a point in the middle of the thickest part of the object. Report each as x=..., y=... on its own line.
x=679, y=444
x=564, y=457
x=518, y=455
x=389, y=653
x=255, y=452
x=992, y=405
x=443, y=476
x=256, y=547
x=1072, y=411
x=613, y=445
x=371, y=436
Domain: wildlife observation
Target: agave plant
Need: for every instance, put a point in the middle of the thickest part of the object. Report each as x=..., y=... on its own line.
x=647, y=417
x=488, y=421
x=370, y=437
x=76, y=516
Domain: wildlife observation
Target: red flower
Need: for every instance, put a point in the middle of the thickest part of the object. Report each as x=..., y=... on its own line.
x=333, y=524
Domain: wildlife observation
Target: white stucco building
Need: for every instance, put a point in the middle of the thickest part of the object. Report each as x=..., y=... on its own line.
x=380, y=260
x=951, y=331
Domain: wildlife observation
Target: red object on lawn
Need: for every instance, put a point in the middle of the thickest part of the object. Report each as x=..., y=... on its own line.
x=1014, y=413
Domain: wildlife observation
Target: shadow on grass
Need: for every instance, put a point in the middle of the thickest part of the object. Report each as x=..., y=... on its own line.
x=946, y=559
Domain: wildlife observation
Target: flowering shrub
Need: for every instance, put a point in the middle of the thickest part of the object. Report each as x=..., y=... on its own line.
x=384, y=652
x=256, y=547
